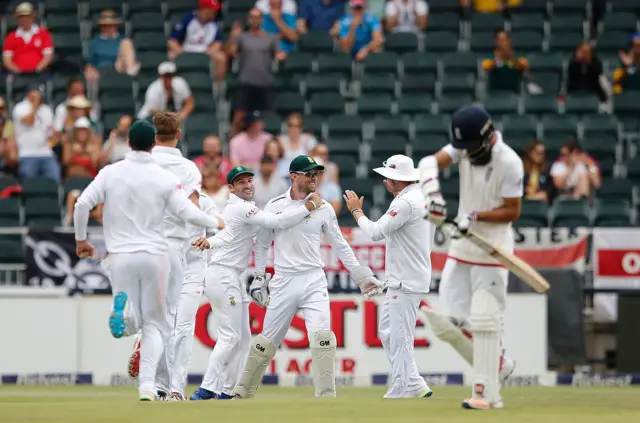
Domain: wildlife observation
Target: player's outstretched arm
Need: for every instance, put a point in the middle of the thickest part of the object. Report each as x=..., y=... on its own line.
x=223, y=237
x=285, y=220
x=182, y=207
x=398, y=214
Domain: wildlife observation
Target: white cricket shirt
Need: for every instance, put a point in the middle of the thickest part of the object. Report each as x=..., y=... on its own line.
x=484, y=188
x=409, y=237
x=244, y=218
x=297, y=249
x=136, y=193
x=190, y=179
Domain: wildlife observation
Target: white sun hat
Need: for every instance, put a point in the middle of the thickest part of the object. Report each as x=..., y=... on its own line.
x=82, y=122
x=399, y=168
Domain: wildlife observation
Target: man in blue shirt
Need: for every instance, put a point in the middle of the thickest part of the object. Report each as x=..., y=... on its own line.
x=281, y=24
x=321, y=15
x=360, y=32
x=199, y=32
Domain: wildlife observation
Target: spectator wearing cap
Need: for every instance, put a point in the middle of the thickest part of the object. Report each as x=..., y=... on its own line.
x=282, y=25
x=33, y=122
x=30, y=47
x=109, y=49
x=406, y=16
x=8, y=131
x=168, y=93
x=585, y=73
x=199, y=32
x=246, y=148
x=627, y=76
x=8, y=152
x=360, y=32
x=75, y=87
x=288, y=6
x=212, y=149
x=321, y=15
x=255, y=50
x=77, y=106
x=81, y=150
x=117, y=145
x=268, y=184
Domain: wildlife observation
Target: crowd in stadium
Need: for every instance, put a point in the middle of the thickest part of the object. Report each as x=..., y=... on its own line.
x=65, y=126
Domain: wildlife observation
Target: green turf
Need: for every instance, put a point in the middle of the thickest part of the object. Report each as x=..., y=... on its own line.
x=288, y=405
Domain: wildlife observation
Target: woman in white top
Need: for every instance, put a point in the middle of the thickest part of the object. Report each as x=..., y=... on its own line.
x=296, y=142
x=214, y=188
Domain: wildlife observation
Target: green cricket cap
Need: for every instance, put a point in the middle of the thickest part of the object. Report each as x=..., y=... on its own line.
x=237, y=171
x=304, y=164
x=142, y=135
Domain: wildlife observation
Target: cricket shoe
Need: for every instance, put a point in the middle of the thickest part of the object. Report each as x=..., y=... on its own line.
x=508, y=367
x=481, y=404
x=202, y=394
x=224, y=396
x=146, y=398
x=117, y=321
x=134, y=360
x=420, y=394
x=163, y=396
x=176, y=396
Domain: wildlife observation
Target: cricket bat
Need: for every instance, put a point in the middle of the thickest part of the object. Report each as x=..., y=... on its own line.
x=516, y=265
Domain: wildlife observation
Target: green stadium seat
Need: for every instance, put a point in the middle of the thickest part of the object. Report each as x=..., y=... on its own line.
x=534, y=212
x=571, y=214
x=199, y=81
x=346, y=164
x=541, y=62
x=75, y=183
x=201, y=122
x=624, y=5
x=343, y=125
x=527, y=22
x=565, y=42
x=11, y=251
x=450, y=189
x=548, y=81
x=150, y=41
x=569, y=6
x=428, y=145
x=194, y=143
x=149, y=61
x=67, y=22
x=519, y=141
x=116, y=83
x=39, y=187
x=452, y=208
x=363, y=187
x=335, y=62
x=327, y=103
x=449, y=22
x=180, y=7
x=193, y=62
x=633, y=169
x=297, y=63
x=520, y=124
x=612, y=41
x=620, y=21
x=532, y=6
x=97, y=6
x=560, y=126
x=316, y=42
x=609, y=211
x=147, y=21
x=412, y=104
x=372, y=84
x=626, y=104
x=344, y=146
x=600, y=126
x=600, y=148
x=318, y=83
x=60, y=6
x=452, y=103
x=110, y=103
x=381, y=63
x=289, y=83
x=140, y=6
x=525, y=42
x=439, y=41
x=487, y=22
x=566, y=23
x=458, y=84
x=401, y=42
x=541, y=104
x=41, y=207
x=443, y=6
x=273, y=124
x=483, y=42
x=419, y=84
x=460, y=62
x=388, y=145
x=204, y=102
x=428, y=126
x=287, y=103
x=9, y=211
x=607, y=166
x=374, y=104
x=420, y=64
x=67, y=44
x=313, y=124
x=240, y=5
x=391, y=125
x=553, y=144
x=501, y=103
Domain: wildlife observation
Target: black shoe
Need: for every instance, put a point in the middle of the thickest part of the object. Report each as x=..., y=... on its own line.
x=162, y=396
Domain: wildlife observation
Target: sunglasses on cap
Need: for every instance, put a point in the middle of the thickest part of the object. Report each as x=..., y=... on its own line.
x=309, y=174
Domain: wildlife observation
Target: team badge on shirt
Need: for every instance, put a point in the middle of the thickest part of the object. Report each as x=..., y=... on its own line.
x=393, y=213
x=232, y=300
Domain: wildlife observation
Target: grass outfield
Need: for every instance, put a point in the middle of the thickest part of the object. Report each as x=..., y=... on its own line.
x=77, y=404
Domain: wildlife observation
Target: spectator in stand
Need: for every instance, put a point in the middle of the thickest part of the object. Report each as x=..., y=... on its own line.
x=268, y=184
x=288, y=6
x=30, y=47
x=110, y=50
x=329, y=190
x=275, y=150
x=81, y=150
x=215, y=188
x=117, y=146
x=488, y=6
x=296, y=142
x=213, y=157
x=8, y=152
x=406, y=16
x=77, y=106
x=538, y=184
x=505, y=70
x=282, y=25
x=331, y=171
x=8, y=131
x=247, y=148
x=575, y=172
x=33, y=123
x=168, y=93
x=360, y=32
x=585, y=73
x=199, y=32
x=321, y=15
x=627, y=77
x=75, y=87
x=255, y=50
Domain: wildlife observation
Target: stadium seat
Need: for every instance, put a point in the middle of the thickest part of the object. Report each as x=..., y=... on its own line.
x=342, y=125
x=581, y=103
x=620, y=21
x=463, y=62
x=327, y=103
x=501, y=103
x=450, y=188
x=289, y=83
x=450, y=104
x=607, y=166
x=535, y=211
x=458, y=84
x=115, y=104
x=388, y=145
x=483, y=42
x=335, y=62
x=150, y=42
x=39, y=187
x=519, y=141
x=318, y=83
x=116, y=84
x=612, y=41
x=316, y=42
x=204, y=102
x=633, y=169
x=487, y=22
x=548, y=81
x=346, y=164
x=443, y=6
x=193, y=62
x=377, y=84
x=41, y=207
x=287, y=103
x=569, y=6
x=374, y=104
x=571, y=214
x=527, y=22
x=60, y=6
x=612, y=211
x=626, y=104
x=297, y=63
x=448, y=22
x=439, y=41
x=313, y=124
x=344, y=146
x=9, y=211
x=147, y=21
x=97, y=6
x=425, y=146
x=566, y=23
x=520, y=124
x=525, y=42
x=149, y=61
x=541, y=104
x=565, y=42
x=401, y=42
x=75, y=183
x=391, y=125
x=541, y=62
x=381, y=63
x=560, y=126
x=66, y=22
x=624, y=5
x=553, y=145
x=600, y=126
x=412, y=104
x=363, y=187
x=419, y=84
x=144, y=6
x=428, y=126
x=420, y=64
x=600, y=148
x=272, y=124
x=201, y=123
x=11, y=252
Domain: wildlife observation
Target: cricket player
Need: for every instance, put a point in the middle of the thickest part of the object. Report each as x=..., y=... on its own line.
x=137, y=193
x=408, y=266
x=299, y=283
x=224, y=288
x=473, y=288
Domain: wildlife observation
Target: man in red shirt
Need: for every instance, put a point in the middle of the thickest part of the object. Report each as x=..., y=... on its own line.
x=29, y=48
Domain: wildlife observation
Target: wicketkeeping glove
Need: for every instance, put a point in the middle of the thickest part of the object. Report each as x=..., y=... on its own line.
x=368, y=284
x=259, y=289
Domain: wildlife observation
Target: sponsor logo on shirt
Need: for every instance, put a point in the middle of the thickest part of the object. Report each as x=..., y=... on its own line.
x=252, y=212
x=393, y=213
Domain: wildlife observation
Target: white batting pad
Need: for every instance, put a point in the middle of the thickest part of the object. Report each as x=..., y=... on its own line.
x=323, y=359
x=445, y=330
x=260, y=354
x=484, y=324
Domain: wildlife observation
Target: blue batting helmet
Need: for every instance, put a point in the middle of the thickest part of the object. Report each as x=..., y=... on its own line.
x=470, y=125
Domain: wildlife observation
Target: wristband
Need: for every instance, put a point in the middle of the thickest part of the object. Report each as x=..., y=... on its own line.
x=355, y=210
x=313, y=204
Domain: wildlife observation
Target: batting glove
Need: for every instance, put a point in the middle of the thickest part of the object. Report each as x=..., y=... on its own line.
x=259, y=289
x=435, y=206
x=464, y=222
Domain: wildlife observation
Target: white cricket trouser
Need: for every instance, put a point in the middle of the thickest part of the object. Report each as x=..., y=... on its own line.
x=289, y=293
x=229, y=300
x=186, y=316
x=397, y=332
x=177, y=264
x=143, y=277
x=459, y=282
